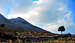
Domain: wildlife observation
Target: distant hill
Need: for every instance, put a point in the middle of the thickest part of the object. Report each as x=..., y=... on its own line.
x=19, y=24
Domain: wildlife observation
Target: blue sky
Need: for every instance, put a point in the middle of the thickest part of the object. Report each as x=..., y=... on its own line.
x=71, y=7
x=47, y=14
x=34, y=0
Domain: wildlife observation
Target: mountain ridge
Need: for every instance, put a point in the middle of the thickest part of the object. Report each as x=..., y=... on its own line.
x=19, y=23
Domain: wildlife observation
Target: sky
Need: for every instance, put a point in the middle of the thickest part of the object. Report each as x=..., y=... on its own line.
x=46, y=14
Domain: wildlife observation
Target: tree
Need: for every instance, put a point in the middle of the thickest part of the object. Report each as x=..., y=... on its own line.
x=2, y=25
x=61, y=28
x=69, y=34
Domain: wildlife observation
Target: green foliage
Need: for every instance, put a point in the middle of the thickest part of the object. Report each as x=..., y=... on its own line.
x=61, y=28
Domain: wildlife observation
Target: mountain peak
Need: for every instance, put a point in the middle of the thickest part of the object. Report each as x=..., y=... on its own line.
x=19, y=18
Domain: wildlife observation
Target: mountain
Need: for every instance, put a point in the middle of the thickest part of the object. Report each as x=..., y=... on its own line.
x=19, y=24
x=3, y=19
x=26, y=25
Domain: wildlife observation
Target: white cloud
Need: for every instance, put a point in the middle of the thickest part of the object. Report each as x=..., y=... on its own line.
x=68, y=24
x=49, y=13
x=62, y=8
x=43, y=13
x=51, y=27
